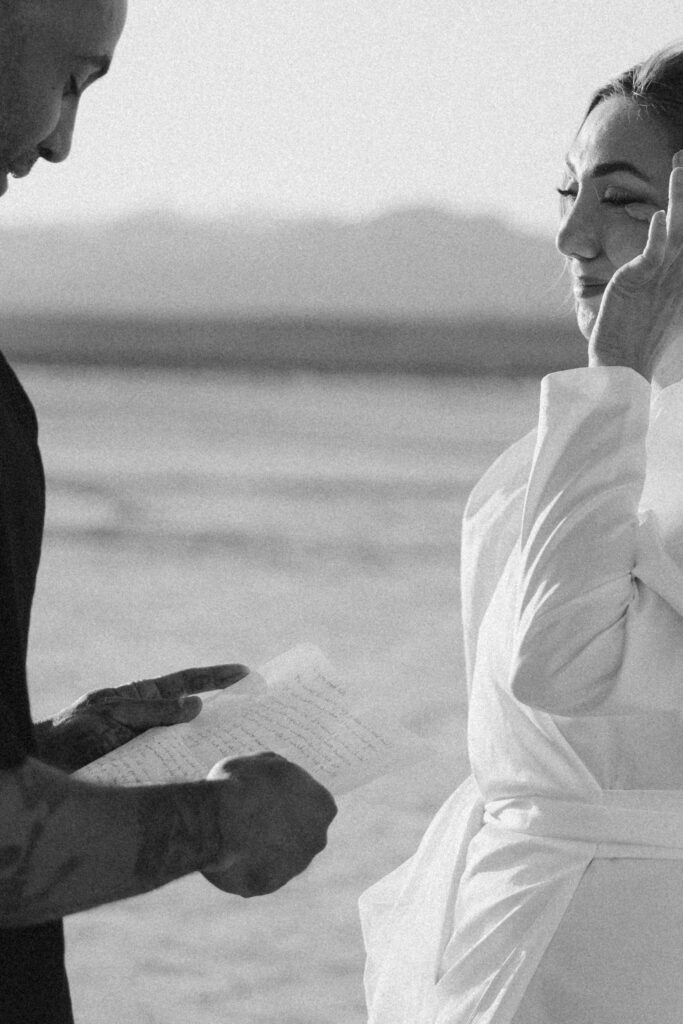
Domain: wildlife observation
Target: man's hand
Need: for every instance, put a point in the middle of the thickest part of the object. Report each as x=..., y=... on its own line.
x=105, y=719
x=278, y=818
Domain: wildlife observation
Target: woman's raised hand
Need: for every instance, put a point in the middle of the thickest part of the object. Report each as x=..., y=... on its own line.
x=641, y=314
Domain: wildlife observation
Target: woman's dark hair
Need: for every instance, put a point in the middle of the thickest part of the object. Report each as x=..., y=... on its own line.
x=656, y=85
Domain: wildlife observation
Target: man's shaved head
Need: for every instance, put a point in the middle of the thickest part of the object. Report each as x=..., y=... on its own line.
x=50, y=52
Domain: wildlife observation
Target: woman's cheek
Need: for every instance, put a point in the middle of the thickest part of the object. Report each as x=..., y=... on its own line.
x=627, y=241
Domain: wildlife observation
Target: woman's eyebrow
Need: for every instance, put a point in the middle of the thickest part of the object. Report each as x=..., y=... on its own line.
x=611, y=167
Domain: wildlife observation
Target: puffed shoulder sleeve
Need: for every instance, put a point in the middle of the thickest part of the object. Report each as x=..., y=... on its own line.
x=578, y=541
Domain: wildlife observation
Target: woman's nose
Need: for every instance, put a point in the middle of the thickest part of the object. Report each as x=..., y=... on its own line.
x=57, y=146
x=578, y=235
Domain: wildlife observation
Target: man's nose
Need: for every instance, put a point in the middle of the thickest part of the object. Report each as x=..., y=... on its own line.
x=57, y=146
x=578, y=234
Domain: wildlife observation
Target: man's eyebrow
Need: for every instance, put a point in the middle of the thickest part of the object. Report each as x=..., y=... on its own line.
x=612, y=167
x=100, y=62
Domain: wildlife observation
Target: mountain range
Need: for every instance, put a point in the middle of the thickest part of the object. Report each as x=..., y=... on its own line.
x=410, y=262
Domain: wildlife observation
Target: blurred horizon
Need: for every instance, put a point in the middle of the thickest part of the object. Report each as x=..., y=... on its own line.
x=406, y=262
x=413, y=290
x=266, y=217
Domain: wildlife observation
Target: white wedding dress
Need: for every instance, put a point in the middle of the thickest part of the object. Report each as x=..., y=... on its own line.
x=549, y=887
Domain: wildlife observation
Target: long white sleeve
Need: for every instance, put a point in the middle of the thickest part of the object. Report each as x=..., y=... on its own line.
x=578, y=542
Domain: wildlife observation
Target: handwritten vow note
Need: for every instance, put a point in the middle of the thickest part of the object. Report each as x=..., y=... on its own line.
x=300, y=708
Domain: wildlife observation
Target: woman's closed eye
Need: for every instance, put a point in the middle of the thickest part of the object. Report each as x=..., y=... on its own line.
x=634, y=206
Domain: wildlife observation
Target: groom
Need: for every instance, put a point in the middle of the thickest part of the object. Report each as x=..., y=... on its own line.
x=65, y=845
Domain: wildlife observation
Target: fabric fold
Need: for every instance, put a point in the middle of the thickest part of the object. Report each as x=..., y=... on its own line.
x=572, y=591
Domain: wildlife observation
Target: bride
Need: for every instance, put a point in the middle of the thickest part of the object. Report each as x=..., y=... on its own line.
x=549, y=887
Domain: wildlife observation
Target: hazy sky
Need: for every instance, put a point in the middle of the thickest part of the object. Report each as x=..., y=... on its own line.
x=342, y=106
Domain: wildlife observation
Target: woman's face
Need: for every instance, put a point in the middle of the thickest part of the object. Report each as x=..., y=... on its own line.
x=617, y=176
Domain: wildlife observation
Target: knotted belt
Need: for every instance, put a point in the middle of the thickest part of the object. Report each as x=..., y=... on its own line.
x=619, y=823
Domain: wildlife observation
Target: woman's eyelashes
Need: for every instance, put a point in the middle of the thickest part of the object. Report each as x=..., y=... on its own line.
x=617, y=197
x=639, y=207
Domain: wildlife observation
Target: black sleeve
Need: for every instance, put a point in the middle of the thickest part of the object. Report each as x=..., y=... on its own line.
x=12, y=750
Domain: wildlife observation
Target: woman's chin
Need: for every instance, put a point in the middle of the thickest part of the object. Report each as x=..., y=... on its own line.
x=586, y=314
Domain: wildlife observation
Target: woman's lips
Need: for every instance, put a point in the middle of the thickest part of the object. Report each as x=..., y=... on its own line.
x=587, y=287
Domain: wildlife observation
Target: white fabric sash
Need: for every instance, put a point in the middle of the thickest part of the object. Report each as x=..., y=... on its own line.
x=622, y=823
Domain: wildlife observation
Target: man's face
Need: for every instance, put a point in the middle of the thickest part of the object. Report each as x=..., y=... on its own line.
x=50, y=52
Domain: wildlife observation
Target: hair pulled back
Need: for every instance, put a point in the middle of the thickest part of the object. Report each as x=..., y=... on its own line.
x=656, y=86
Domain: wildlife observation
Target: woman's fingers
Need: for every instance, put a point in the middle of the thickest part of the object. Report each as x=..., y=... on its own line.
x=674, y=216
x=657, y=241
x=642, y=308
x=643, y=268
x=664, y=246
